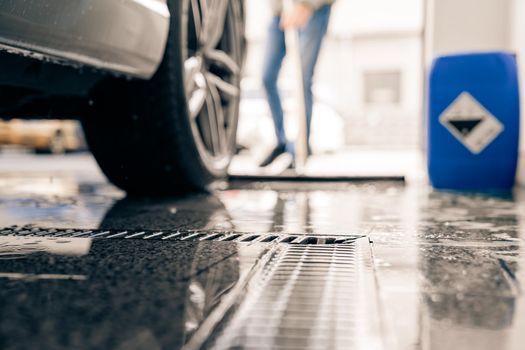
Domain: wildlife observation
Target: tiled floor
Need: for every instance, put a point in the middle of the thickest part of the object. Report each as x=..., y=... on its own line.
x=449, y=267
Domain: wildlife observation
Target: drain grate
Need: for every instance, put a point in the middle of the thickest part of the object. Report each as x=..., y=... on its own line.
x=184, y=235
x=309, y=297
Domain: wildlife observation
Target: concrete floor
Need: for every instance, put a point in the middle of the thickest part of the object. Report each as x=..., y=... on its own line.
x=448, y=268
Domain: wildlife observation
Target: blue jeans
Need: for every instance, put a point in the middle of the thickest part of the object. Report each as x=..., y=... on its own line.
x=310, y=40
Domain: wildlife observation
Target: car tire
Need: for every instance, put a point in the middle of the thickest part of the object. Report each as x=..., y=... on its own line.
x=176, y=132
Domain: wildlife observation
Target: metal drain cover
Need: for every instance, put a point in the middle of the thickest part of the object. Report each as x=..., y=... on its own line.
x=236, y=290
x=307, y=297
x=179, y=235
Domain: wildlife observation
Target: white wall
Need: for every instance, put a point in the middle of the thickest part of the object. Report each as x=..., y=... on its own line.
x=365, y=17
x=468, y=25
x=517, y=39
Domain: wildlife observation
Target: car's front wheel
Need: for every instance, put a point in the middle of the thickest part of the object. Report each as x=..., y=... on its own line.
x=175, y=133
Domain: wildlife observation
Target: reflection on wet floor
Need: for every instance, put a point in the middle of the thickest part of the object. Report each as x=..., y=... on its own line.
x=129, y=298
x=449, y=267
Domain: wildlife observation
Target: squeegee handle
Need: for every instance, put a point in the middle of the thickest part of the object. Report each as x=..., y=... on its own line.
x=294, y=55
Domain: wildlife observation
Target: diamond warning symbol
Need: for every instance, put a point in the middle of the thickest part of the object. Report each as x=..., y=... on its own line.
x=471, y=123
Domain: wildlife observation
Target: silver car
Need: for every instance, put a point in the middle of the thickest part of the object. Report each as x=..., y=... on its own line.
x=156, y=83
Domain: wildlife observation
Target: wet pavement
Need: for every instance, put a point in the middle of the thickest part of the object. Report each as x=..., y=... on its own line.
x=414, y=268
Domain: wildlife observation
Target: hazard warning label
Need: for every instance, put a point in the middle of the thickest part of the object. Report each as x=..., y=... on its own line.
x=471, y=123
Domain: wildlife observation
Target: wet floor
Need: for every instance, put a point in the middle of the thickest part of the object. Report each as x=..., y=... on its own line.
x=422, y=270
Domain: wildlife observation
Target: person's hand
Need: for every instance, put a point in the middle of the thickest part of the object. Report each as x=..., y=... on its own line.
x=296, y=17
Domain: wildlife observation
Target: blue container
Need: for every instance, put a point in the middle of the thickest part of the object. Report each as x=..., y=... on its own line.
x=473, y=122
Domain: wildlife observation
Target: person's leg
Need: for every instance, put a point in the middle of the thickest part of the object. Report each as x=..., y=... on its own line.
x=274, y=55
x=310, y=41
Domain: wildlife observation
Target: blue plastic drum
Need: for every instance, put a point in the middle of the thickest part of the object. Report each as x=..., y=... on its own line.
x=473, y=122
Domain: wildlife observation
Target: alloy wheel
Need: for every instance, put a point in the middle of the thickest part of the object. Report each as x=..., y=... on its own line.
x=212, y=68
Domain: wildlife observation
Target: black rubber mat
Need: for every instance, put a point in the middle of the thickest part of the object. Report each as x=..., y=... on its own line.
x=305, y=178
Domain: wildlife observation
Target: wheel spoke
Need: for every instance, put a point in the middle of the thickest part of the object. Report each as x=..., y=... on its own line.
x=195, y=85
x=227, y=88
x=205, y=130
x=203, y=5
x=219, y=116
x=197, y=17
x=192, y=67
x=214, y=18
x=212, y=124
x=196, y=102
x=223, y=60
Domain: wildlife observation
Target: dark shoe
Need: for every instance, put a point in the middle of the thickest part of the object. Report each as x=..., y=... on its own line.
x=240, y=148
x=277, y=151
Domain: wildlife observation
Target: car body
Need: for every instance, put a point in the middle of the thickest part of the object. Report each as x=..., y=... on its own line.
x=145, y=77
x=125, y=37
